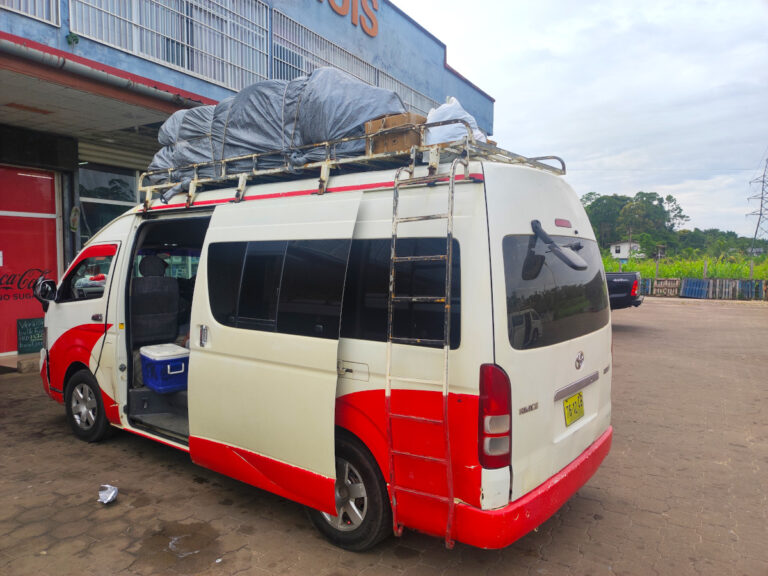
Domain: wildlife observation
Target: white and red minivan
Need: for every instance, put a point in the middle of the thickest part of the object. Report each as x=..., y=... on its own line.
x=307, y=373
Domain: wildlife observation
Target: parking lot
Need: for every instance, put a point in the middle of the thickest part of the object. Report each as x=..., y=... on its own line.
x=683, y=491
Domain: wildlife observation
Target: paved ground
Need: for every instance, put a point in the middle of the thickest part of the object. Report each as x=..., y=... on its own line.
x=684, y=490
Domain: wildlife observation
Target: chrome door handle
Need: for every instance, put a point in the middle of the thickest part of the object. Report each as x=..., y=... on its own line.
x=97, y=317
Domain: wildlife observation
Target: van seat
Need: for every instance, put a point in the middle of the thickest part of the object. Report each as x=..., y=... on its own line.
x=154, y=304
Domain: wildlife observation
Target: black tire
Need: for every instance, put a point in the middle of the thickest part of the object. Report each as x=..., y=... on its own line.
x=364, y=521
x=85, y=409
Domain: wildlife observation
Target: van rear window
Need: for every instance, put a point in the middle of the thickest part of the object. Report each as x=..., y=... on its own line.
x=548, y=301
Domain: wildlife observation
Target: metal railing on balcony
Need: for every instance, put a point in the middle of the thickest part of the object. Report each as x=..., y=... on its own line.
x=221, y=41
x=45, y=10
x=296, y=50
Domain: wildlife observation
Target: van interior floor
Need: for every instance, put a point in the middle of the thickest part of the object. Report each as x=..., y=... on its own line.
x=162, y=413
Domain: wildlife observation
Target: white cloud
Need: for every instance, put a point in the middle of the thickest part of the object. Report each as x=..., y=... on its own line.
x=660, y=95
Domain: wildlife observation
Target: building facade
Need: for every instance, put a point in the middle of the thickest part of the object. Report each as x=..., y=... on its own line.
x=623, y=250
x=85, y=85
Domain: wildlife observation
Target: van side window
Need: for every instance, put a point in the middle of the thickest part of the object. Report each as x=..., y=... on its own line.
x=225, y=264
x=364, y=315
x=259, y=289
x=312, y=288
x=87, y=280
x=292, y=287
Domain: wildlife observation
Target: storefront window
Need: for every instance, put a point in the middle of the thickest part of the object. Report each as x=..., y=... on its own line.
x=105, y=194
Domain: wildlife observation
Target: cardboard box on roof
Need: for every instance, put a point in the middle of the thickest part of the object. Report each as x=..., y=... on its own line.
x=397, y=140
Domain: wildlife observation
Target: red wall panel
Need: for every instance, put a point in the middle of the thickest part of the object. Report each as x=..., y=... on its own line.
x=28, y=246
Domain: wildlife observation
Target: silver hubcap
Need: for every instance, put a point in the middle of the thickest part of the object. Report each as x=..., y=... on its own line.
x=351, y=498
x=84, y=406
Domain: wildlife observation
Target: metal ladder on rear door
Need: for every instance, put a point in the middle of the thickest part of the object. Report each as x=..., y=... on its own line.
x=445, y=299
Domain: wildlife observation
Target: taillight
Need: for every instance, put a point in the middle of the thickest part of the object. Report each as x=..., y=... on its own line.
x=634, y=288
x=493, y=442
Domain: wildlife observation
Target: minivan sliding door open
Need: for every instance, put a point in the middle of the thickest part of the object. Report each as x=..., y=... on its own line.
x=264, y=347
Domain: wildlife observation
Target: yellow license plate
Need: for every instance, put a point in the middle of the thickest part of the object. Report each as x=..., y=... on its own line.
x=573, y=408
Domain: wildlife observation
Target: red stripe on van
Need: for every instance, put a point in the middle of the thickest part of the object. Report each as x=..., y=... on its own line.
x=75, y=345
x=302, y=486
x=477, y=177
x=498, y=528
x=58, y=396
x=363, y=414
x=98, y=250
x=111, y=408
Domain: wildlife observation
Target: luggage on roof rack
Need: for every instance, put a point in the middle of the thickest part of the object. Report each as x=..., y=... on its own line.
x=308, y=127
x=277, y=120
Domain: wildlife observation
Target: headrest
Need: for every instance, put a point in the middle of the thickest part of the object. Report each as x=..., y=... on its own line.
x=152, y=266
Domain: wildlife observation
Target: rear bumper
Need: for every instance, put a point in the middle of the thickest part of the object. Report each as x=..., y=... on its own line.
x=499, y=528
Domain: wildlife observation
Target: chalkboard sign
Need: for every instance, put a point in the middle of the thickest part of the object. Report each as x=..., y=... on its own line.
x=30, y=335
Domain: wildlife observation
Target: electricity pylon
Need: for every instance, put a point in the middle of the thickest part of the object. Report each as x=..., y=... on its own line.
x=761, y=229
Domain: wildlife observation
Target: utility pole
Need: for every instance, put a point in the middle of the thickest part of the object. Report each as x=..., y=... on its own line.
x=659, y=250
x=761, y=229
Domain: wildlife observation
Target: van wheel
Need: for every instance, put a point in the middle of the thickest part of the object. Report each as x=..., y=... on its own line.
x=85, y=410
x=364, y=517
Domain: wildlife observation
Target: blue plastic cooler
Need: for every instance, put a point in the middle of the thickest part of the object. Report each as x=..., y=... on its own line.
x=164, y=367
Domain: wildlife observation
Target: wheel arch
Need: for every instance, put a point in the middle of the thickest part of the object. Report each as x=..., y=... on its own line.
x=73, y=369
x=355, y=423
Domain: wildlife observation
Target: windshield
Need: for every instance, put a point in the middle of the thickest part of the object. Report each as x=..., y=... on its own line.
x=549, y=301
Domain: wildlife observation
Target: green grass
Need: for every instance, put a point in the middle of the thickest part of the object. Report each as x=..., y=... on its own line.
x=735, y=267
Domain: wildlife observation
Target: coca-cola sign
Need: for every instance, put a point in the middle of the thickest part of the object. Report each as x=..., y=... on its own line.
x=19, y=284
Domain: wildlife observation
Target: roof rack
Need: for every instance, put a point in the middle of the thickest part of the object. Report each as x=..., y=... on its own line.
x=289, y=169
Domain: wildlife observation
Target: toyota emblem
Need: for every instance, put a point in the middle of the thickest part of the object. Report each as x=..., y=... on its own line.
x=579, y=360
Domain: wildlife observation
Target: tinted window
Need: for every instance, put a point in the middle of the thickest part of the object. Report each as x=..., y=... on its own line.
x=365, y=299
x=293, y=287
x=296, y=287
x=312, y=287
x=225, y=265
x=552, y=303
x=260, y=285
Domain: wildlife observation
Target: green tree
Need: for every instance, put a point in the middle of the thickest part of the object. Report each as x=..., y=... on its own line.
x=603, y=212
x=675, y=215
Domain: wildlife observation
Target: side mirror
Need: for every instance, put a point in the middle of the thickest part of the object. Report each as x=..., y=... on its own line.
x=44, y=291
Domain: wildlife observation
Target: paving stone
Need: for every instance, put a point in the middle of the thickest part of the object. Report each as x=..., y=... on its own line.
x=682, y=492
x=30, y=530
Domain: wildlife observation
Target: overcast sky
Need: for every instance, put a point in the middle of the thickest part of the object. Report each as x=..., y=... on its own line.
x=654, y=95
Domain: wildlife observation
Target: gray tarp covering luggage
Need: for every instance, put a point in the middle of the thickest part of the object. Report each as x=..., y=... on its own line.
x=219, y=128
x=193, y=143
x=255, y=124
x=186, y=139
x=163, y=160
x=273, y=115
x=169, y=131
x=336, y=105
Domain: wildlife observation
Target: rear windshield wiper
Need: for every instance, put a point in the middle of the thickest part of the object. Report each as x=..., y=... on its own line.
x=564, y=253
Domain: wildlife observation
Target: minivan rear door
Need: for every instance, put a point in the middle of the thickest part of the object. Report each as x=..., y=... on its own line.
x=551, y=320
x=264, y=342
